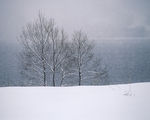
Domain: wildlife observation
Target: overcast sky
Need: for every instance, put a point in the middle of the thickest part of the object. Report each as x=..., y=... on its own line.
x=98, y=18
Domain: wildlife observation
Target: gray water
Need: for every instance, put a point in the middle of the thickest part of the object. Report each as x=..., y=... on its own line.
x=127, y=61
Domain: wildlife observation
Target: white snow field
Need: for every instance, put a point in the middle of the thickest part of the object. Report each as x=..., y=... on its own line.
x=114, y=102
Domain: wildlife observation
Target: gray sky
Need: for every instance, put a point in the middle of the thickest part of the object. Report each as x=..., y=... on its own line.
x=98, y=18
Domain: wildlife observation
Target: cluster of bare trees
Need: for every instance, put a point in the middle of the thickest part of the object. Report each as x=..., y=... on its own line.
x=48, y=55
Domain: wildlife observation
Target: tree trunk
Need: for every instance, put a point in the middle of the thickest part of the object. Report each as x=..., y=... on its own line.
x=53, y=77
x=80, y=76
x=44, y=72
x=44, y=79
x=62, y=79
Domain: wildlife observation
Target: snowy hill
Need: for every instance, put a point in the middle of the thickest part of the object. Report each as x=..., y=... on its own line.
x=115, y=102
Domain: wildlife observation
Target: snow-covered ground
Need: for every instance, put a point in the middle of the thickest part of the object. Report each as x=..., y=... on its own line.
x=115, y=102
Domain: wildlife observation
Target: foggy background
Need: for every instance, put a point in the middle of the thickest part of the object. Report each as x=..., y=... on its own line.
x=120, y=29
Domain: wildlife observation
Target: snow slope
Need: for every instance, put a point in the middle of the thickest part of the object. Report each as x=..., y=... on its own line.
x=115, y=102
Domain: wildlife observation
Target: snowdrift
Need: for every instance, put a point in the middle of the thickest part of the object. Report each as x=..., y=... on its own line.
x=114, y=102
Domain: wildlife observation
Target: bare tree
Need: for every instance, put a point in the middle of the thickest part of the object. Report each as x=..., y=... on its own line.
x=82, y=52
x=35, y=38
x=58, y=53
x=87, y=67
x=67, y=65
x=45, y=48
